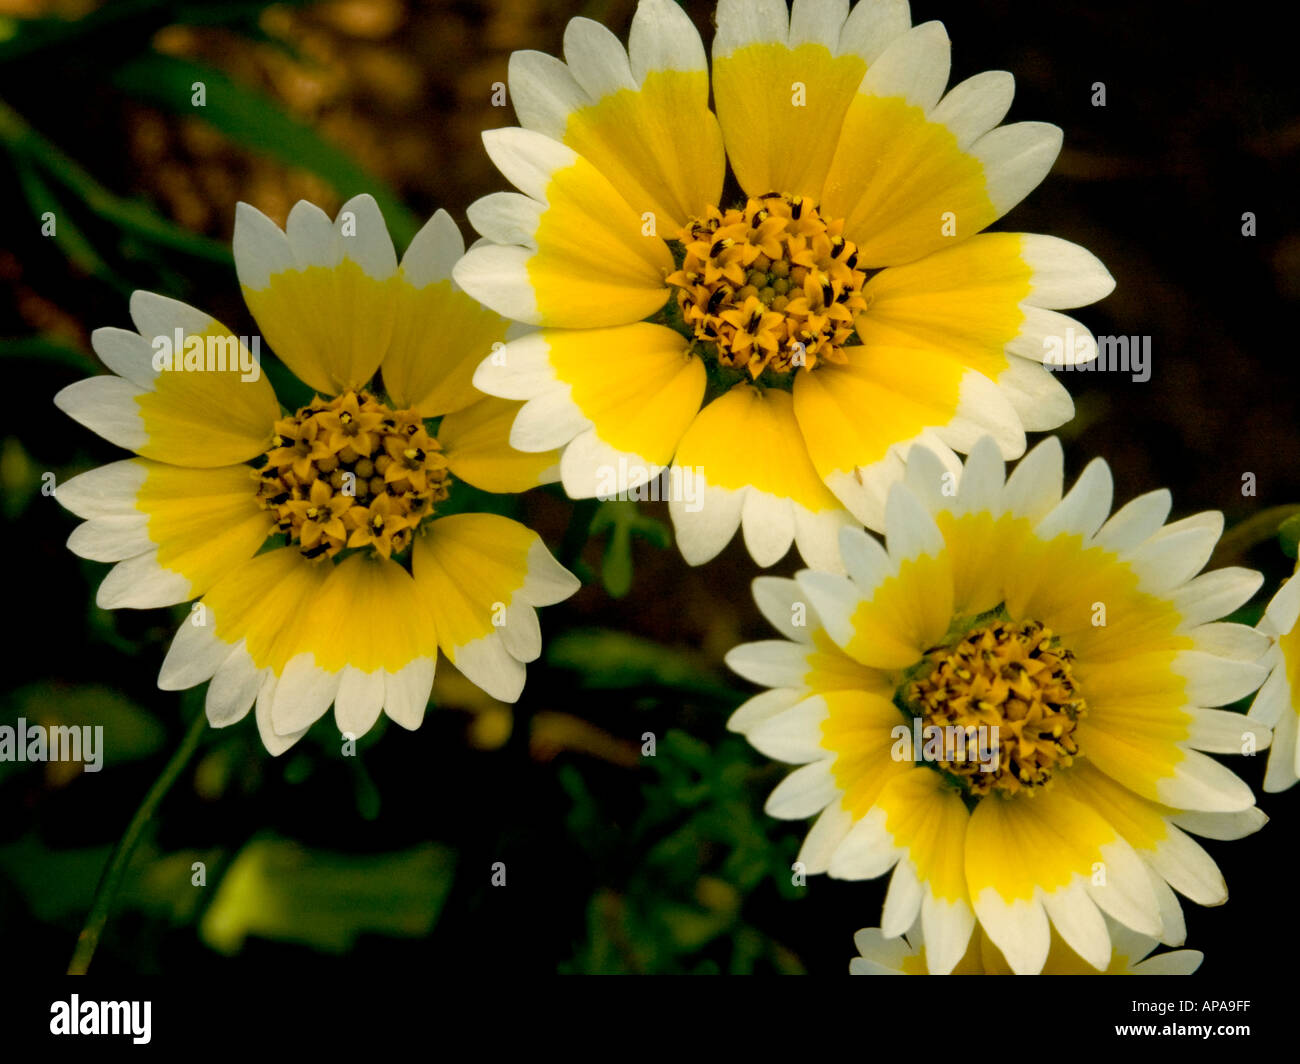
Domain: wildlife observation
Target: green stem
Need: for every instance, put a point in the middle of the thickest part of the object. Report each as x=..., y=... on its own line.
x=1257, y=528
x=111, y=880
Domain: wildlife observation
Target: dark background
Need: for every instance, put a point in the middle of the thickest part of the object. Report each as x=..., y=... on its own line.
x=615, y=862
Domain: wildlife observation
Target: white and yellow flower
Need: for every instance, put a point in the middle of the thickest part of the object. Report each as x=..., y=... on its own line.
x=784, y=350
x=1130, y=955
x=1277, y=705
x=1060, y=666
x=312, y=538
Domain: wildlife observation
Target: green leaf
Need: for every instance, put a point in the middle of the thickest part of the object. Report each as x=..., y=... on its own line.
x=163, y=884
x=139, y=219
x=616, y=567
x=1257, y=528
x=691, y=929
x=279, y=889
x=654, y=532
x=66, y=236
x=243, y=14
x=256, y=121
x=30, y=36
x=47, y=349
x=576, y=535
x=615, y=660
x=1288, y=535
x=121, y=22
x=20, y=478
x=622, y=520
x=56, y=884
x=131, y=733
x=681, y=907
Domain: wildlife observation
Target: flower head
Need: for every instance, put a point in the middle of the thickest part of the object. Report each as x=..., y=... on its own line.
x=1130, y=955
x=313, y=538
x=1007, y=704
x=1277, y=705
x=784, y=346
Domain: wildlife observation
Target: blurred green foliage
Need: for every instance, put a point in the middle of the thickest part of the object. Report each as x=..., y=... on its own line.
x=1288, y=535
x=278, y=889
x=701, y=845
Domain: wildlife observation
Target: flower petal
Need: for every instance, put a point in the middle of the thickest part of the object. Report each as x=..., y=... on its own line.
x=747, y=443
x=914, y=396
x=922, y=821
x=590, y=259
x=621, y=428
x=480, y=576
x=641, y=118
x=440, y=334
x=174, y=532
x=906, y=181
x=180, y=367
x=323, y=292
x=781, y=90
x=978, y=302
x=476, y=443
x=1021, y=855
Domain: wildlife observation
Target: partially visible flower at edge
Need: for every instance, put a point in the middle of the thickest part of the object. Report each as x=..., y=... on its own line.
x=1077, y=651
x=1130, y=951
x=1278, y=703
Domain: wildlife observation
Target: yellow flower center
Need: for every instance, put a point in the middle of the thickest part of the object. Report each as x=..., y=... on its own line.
x=771, y=286
x=351, y=472
x=1015, y=681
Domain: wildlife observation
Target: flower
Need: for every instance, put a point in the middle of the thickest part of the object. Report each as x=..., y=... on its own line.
x=1006, y=705
x=313, y=539
x=1276, y=704
x=879, y=955
x=782, y=349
